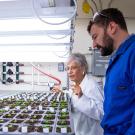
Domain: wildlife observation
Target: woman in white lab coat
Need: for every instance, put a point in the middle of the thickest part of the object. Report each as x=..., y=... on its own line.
x=86, y=97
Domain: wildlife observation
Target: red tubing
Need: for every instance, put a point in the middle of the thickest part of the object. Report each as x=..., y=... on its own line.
x=51, y=76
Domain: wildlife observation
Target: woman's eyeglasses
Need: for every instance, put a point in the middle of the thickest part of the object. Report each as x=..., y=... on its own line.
x=99, y=14
x=72, y=68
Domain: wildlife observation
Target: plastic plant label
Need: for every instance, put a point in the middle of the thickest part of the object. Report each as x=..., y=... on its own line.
x=51, y=109
x=63, y=130
x=29, y=107
x=24, y=129
x=46, y=130
x=18, y=107
x=64, y=110
x=32, y=98
x=40, y=107
x=5, y=129
x=6, y=108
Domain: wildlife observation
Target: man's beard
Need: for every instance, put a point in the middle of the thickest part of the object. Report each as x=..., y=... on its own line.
x=108, y=45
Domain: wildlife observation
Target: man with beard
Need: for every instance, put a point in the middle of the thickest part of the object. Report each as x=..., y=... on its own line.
x=109, y=33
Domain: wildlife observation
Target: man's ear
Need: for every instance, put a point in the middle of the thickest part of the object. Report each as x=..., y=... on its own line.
x=112, y=28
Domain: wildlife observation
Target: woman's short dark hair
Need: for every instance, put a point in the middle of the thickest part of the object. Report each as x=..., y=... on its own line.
x=81, y=59
x=104, y=17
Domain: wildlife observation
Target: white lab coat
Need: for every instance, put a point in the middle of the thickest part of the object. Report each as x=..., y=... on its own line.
x=87, y=111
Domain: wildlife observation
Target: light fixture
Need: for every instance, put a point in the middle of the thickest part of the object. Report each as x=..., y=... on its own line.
x=34, y=53
x=23, y=24
x=7, y=0
x=27, y=40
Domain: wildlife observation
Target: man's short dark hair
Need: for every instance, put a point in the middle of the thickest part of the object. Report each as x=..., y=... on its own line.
x=104, y=17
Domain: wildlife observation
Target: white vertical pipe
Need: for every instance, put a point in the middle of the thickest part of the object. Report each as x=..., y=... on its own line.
x=38, y=74
x=32, y=83
x=48, y=80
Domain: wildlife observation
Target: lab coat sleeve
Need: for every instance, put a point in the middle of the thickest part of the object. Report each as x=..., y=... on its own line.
x=90, y=107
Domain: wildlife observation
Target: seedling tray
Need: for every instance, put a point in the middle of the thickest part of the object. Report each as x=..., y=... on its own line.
x=36, y=114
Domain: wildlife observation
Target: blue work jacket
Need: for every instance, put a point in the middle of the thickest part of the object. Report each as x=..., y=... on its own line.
x=119, y=104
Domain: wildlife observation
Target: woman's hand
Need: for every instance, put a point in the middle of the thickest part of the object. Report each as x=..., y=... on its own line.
x=76, y=89
x=56, y=89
